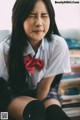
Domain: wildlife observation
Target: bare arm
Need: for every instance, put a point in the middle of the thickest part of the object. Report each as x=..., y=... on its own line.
x=44, y=87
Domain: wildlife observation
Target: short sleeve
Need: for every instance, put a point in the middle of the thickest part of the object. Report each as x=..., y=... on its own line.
x=3, y=65
x=59, y=59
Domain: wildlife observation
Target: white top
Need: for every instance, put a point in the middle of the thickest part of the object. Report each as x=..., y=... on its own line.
x=55, y=55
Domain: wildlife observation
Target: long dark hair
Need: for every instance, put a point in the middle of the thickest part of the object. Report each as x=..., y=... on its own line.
x=18, y=42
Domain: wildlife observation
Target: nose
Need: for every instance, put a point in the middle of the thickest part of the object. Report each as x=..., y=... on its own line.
x=38, y=21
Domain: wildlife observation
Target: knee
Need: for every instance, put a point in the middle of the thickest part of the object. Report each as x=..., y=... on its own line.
x=55, y=112
x=17, y=106
x=35, y=110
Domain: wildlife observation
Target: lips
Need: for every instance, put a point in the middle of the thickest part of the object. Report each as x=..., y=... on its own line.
x=38, y=30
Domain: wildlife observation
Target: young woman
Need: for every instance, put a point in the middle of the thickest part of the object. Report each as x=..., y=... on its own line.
x=32, y=62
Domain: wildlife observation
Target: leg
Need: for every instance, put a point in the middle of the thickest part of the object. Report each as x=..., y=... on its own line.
x=17, y=106
x=53, y=102
x=24, y=108
x=20, y=107
x=54, y=110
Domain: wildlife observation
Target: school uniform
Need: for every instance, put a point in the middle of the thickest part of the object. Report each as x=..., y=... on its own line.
x=55, y=55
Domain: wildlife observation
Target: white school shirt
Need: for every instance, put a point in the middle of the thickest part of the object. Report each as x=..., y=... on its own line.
x=55, y=55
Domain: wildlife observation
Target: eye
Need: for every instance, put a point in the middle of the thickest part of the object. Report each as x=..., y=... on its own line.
x=32, y=15
x=44, y=15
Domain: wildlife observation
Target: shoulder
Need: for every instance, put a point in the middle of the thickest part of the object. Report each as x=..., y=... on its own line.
x=58, y=42
x=56, y=45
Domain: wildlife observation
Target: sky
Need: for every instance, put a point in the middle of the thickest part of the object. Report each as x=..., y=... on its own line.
x=67, y=15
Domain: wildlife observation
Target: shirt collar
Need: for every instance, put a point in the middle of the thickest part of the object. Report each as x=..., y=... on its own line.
x=29, y=49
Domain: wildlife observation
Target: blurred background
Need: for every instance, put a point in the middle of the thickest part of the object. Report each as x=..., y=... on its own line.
x=68, y=18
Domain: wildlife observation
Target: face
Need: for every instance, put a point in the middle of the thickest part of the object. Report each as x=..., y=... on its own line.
x=37, y=24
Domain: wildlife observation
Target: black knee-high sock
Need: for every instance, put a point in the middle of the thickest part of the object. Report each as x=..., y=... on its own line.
x=35, y=110
x=54, y=112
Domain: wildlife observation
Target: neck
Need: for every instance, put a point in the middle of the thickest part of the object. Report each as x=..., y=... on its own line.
x=35, y=45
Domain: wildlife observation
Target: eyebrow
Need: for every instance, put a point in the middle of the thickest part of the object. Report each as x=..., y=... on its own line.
x=33, y=13
x=44, y=13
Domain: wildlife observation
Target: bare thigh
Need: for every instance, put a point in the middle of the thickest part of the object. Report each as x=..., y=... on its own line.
x=51, y=101
x=17, y=106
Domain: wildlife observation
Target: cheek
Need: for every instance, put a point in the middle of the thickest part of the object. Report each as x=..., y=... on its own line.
x=26, y=27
